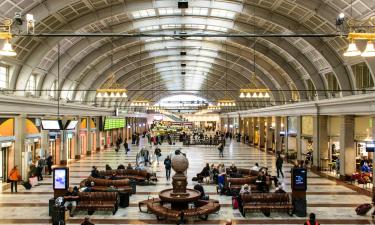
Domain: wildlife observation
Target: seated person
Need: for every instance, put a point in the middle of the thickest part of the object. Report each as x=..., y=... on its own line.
x=199, y=188
x=255, y=167
x=261, y=182
x=233, y=170
x=365, y=168
x=245, y=189
x=87, y=221
x=204, y=173
x=129, y=167
x=280, y=188
x=70, y=199
x=121, y=167
x=107, y=167
x=95, y=172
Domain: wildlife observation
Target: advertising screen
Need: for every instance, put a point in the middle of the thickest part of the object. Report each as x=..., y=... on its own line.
x=370, y=147
x=299, y=179
x=51, y=125
x=60, y=179
x=114, y=123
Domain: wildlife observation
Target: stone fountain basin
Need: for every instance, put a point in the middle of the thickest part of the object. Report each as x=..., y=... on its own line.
x=166, y=196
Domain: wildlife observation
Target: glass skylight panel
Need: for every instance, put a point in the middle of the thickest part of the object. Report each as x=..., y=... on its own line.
x=155, y=27
x=170, y=26
x=143, y=13
x=153, y=39
x=195, y=26
x=195, y=38
x=169, y=11
x=197, y=11
x=216, y=28
x=223, y=13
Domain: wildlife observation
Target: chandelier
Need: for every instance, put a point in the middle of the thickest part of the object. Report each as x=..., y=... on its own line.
x=140, y=103
x=6, y=35
x=226, y=103
x=254, y=93
x=111, y=89
x=213, y=107
x=361, y=30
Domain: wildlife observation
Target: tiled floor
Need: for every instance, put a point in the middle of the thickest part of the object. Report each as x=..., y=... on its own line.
x=333, y=202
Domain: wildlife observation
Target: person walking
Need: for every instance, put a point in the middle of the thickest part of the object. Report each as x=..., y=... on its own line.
x=126, y=147
x=279, y=166
x=168, y=166
x=221, y=150
x=40, y=166
x=157, y=153
x=312, y=220
x=49, y=162
x=14, y=177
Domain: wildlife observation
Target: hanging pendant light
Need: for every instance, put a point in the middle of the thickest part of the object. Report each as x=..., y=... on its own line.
x=7, y=49
x=370, y=50
x=124, y=95
x=248, y=95
x=242, y=95
x=260, y=95
x=105, y=95
x=255, y=95
x=267, y=95
x=352, y=50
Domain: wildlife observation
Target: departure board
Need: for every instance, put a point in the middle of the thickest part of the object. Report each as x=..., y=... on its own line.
x=114, y=123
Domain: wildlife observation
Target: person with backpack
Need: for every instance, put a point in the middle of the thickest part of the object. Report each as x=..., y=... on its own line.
x=279, y=166
x=157, y=153
x=312, y=220
x=13, y=178
x=168, y=166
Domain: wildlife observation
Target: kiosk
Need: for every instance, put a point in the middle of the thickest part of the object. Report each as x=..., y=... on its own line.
x=60, y=187
x=299, y=187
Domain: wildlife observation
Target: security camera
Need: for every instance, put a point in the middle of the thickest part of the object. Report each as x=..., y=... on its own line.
x=18, y=18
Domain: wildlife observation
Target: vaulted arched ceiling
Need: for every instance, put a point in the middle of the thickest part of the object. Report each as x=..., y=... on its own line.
x=282, y=64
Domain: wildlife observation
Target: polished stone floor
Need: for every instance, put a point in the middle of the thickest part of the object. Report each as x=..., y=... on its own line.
x=332, y=201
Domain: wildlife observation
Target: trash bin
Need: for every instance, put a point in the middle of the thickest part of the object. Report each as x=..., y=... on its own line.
x=124, y=199
x=58, y=215
x=133, y=184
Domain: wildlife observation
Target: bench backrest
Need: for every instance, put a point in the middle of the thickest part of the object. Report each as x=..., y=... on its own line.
x=97, y=196
x=108, y=183
x=261, y=198
x=241, y=181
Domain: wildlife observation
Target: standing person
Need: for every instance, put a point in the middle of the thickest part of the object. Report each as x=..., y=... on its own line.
x=137, y=139
x=279, y=166
x=312, y=220
x=14, y=177
x=157, y=153
x=126, y=147
x=40, y=166
x=49, y=162
x=168, y=166
x=221, y=150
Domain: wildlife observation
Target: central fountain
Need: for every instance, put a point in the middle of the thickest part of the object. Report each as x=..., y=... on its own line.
x=173, y=203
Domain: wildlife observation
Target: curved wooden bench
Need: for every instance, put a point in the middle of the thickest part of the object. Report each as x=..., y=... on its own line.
x=146, y=202
x=162, y=212
x=207, y=207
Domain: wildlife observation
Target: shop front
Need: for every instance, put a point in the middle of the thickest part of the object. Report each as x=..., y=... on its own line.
x=70, y=145
x=54, y=146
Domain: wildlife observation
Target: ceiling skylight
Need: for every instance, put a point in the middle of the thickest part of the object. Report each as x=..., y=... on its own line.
x=223, y=13
x=143, y=13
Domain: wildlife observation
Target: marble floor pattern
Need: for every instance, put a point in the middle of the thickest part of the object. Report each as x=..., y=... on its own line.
x=332, y=201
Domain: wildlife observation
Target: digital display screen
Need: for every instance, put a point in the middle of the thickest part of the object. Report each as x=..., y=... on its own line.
x=299, y=179
x=370, y=147
x=114, y=123
x=51, y=125
x=60, y=179
x=71, y=125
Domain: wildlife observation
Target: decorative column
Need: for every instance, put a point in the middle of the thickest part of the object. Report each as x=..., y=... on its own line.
x=373, y=155
x=77, y=136
x=320, y=142
x=98, y=146
x=299, y=138
x=44, y=143
x=19, y=144
x=89, y=141
x=286, y=134
x=261, y=132
x=251, y=131
x=347, y=147
x=269, y=134
x=278, y=138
